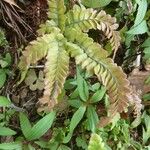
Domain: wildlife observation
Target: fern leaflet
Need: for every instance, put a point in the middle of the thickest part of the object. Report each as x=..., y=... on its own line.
x=85, y=19
x=56, y=71
x=57, y=12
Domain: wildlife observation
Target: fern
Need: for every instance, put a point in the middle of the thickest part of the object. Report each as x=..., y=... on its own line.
x=64, y=34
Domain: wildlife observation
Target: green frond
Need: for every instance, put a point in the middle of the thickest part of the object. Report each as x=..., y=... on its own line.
x=56, y=12
x=56, y=71
x=84, y=19
x=94, y=59
x=34, y=52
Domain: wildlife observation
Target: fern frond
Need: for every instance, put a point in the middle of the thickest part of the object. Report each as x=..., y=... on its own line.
x=57, y=12
x=34, y=52
x=84, y=19
x=94, y=59
x=56, y=71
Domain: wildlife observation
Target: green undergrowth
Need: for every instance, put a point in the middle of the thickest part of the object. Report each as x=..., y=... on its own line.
x=87, y=102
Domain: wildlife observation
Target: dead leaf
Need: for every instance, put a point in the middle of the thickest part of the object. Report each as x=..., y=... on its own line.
x=136, y=102
x=137, y=79
x=31, y=77
x=35, y=82
x=23, y=93
x=104, y=121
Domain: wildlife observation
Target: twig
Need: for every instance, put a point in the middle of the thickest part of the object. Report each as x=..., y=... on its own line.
x=38, y=66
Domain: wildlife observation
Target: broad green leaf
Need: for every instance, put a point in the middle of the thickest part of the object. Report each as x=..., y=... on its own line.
x=69, y=84
x=95, y=87
x=146, y=132
x=147, y=54
x=140, y=25
x=139, y=29
x=74, y=94
x=96, y=143
x=128, y=39
x=3, y=63
x=95, y=3
x=6, y=131
x=136, y=122
x=82, y=87
x=141, y=12
x=30, y=147
x=8, y=59
x=146, y=46
x=147, y=122
x=4, y=102
x=75, y=103
x=78, y=115
x=25, y=125
x=42, y=144
x=98, y=95
x=42, y=126
x=11, y=146
x=146, y=97
x=145, y=136
x=54, y=145
x=146, y=43
x=92, y=118
x=63, y=147
x=2, y=77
